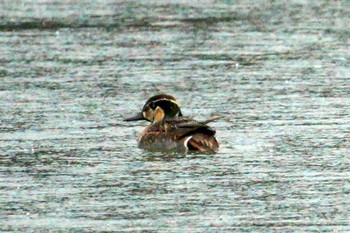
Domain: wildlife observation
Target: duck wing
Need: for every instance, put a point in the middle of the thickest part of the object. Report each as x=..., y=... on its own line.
x=198, y=137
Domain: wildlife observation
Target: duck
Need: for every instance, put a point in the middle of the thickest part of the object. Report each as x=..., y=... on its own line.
x=170, y=131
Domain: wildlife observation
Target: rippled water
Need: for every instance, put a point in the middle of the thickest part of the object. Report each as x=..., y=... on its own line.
x=277, y=73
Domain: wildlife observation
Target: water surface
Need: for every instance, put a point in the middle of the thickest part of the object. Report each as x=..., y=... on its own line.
x=277, y=73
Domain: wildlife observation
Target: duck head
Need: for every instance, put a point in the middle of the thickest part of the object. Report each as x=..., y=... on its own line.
x=158, y=108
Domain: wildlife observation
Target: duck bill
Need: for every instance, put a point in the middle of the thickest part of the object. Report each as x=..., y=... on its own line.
x=137, y=117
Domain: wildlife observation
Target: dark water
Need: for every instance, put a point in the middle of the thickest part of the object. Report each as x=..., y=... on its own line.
x=278, y=73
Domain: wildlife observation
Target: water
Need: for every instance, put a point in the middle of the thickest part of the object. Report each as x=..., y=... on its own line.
x=278, y=74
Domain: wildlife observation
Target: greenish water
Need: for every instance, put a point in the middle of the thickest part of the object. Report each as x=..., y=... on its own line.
x=278, y=73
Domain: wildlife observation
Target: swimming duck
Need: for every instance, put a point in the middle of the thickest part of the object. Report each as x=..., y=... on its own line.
x=171, y=131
